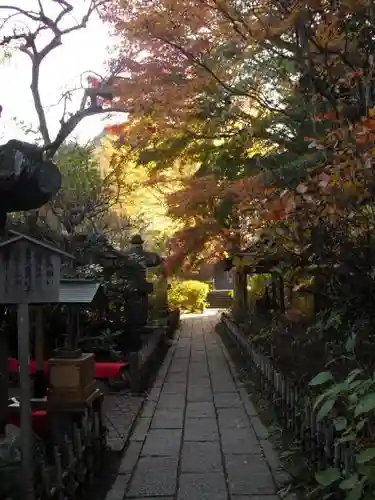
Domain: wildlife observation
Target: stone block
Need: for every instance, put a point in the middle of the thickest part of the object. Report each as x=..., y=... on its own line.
x=200, y=409
x=154, y=476
x=201, y=457
x=162, y=442
x=168, y=419
x=202, y=487
x=249, y=475
x=201, y=429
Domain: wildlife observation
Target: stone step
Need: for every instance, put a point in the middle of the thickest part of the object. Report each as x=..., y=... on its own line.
x=219, y=299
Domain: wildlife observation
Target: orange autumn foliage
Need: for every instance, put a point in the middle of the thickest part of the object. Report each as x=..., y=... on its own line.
x=166, y=46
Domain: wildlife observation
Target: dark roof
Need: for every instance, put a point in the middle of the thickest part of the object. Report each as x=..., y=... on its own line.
x=16, y=236
x=74, y=291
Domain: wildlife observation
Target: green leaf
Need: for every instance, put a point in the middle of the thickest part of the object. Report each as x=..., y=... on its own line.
x=366, y=404
x=350, y=343
x=350, y=482
x=353, y=374
x=325, y=409
x=370, y=472
x=340, y=423
x=348, y=437
x=334, y=390
x=328, y=476
x=366, y=456
x=360, y=425
x=355, y=383
x=321, y=378
x=319, y=400
x=355, y=493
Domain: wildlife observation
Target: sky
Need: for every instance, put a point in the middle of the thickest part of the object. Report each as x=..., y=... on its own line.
x=83, y=50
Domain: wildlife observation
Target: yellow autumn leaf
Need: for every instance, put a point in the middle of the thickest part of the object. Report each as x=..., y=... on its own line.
x=349, y=188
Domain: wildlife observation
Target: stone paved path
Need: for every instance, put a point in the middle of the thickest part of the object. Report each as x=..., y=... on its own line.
x=199, y=436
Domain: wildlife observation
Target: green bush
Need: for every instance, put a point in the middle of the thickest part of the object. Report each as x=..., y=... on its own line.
x=256, y=284
x=189, y=296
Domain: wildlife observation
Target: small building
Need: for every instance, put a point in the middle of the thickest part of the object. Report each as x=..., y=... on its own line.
x=287, y=279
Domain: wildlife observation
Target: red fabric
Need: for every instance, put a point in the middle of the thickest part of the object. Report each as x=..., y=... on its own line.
x=39, y=422
x=109, y=370
x=13, y=366
x=32, y=365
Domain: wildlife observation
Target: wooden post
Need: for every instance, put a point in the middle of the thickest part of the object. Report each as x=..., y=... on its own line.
x=39, y=340
x=40, y=378
x=243, y=290
x=25, y=409
x=3, y=378
x=236, y=293
x=282, y=296
x=274, y=293
x=243, y=284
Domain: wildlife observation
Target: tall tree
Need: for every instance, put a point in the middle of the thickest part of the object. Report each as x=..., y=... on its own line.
x=211, y=79
x=37, y=33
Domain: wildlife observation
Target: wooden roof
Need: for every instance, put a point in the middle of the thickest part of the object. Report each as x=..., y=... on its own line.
x=15, y=236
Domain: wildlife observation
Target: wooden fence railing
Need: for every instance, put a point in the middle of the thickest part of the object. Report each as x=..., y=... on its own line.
x=68, y=468
x=294, y=407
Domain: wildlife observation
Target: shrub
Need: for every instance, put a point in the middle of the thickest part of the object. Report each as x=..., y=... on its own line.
x=189, y=295
x=351, y=404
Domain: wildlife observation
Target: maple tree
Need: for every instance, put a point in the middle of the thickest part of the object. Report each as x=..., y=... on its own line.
x=209, y=125
x=207, y=81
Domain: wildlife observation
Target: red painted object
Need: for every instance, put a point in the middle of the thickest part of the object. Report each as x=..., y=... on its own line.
x=106, y=371
x=39, y=421
x=13, y=366
x=109, y=371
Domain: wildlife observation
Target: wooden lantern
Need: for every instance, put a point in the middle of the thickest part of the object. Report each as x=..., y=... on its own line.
x=71, y=380
x=72, y=374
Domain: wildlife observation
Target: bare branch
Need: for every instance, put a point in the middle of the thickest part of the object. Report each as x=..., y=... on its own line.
x=71, y=123
x=29, y=47
x=35, y=16
x=255, y=94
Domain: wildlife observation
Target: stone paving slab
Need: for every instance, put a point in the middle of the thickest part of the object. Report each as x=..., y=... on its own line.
x=162, y=442
x=168, y=419
x=201, y=457
x=200, y=409
x=199, y=436
x=208, y=486
x=120, y=411
x=154, y=476
x=201, y=429
x=243, y=482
